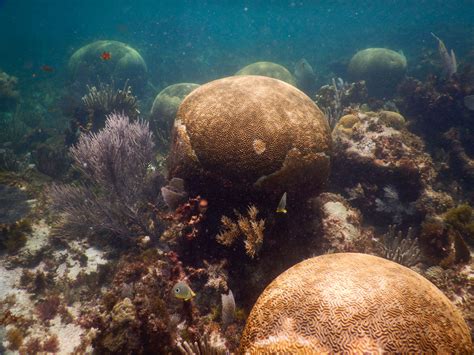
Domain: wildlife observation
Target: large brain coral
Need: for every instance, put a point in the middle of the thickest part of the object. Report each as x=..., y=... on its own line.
x=272, y=70
x=87, y=67
x=354, y=303
x=381, y=68
x=250, y=133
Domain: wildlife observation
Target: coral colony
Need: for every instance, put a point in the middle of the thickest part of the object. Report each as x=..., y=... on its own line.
x=242, y=215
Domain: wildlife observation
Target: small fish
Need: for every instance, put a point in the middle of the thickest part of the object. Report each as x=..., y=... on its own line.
x=282, y=205
x=469, y=102
x=182, y=291
x=47, y=68
x=106, y=56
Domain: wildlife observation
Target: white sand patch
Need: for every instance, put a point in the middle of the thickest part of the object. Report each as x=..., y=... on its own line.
x=69, y=335
x=38, y=238
x=71, y=267
x=8, y=279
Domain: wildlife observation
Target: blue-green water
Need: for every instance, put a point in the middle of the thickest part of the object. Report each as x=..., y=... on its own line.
x=200, y=40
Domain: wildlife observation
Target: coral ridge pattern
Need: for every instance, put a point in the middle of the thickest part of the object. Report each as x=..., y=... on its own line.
x=353, y=303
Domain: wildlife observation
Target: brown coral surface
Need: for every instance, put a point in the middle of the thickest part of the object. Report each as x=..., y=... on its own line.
x=353, y=303
x=250, y=132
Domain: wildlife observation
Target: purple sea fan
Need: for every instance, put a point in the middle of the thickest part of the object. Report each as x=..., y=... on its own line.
x=115, y=162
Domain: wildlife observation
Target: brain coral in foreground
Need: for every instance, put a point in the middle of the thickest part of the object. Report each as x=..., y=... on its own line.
x=353, y=303
x=272, y=70
x=250, y=133
x=86, y=65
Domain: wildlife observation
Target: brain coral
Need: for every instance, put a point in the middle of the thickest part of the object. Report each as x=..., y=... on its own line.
x=87, y=67
x=166, y=105
x=381, y=68
x=250, y=133
x=353, y=303
x=272, y=70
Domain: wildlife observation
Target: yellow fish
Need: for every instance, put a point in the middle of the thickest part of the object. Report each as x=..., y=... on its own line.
x=182, y=291
x=282, y=205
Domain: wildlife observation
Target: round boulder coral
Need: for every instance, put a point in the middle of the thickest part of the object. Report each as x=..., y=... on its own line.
x=90, y=65
x=250, y=133
x=272, y=70
x=166, y=105
x=381, y=68
x=353, y=303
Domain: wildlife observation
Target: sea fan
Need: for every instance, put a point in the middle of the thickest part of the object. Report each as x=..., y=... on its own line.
x=113, y=199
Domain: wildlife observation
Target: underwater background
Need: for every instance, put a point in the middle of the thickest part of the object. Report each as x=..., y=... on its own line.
x=139, y=216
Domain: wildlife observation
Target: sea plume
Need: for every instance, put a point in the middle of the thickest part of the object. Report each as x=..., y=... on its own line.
x=113, y=198
x=248, y=227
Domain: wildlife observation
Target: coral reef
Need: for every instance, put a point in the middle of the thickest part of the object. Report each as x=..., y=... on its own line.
x=114, y=200
x=9, y=94
x=459, y=160
x=381, y=68
x=435, y=105
x=319, y=304
x=237, y=135
x=461, y=218
x=188, y=219
x=443, y=244
x=268, y=69
x=125, y=64
x=164, y=109
x=139, y=313
x=340, y=98
x=339, y=225
x=247, y=227
x=389, y=168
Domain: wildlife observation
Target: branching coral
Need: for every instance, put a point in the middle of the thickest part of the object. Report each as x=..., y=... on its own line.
x=247, y=227
x=114, y=199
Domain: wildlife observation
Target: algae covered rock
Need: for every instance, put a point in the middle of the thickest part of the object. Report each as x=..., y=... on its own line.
x=250, y=133
x=382, y=166
x=87, y=66
x=381, y=68
x=166, y=105
x=272, y=70
x=353, y=303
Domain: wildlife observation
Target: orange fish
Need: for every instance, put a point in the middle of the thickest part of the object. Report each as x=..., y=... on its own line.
x=106, y=56
x=47, y=68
